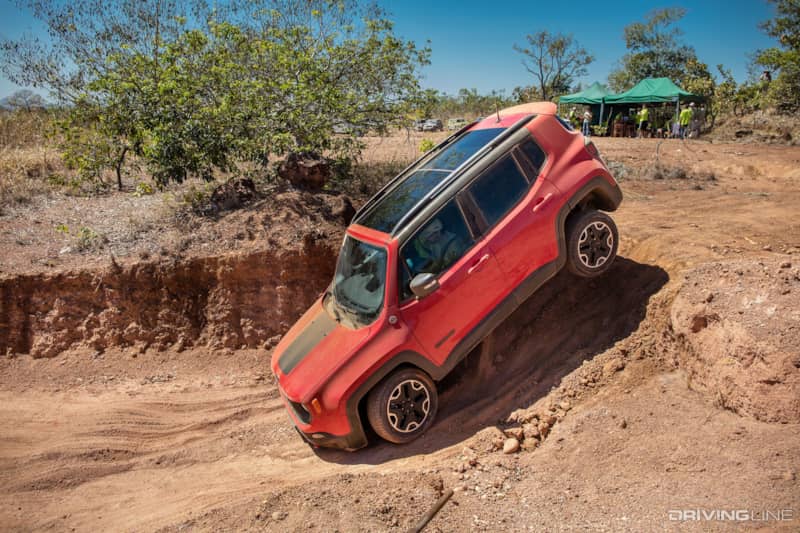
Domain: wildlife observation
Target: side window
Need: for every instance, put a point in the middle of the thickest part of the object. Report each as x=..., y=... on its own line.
x=436, y=245
x=534, y=154
x=498, y=189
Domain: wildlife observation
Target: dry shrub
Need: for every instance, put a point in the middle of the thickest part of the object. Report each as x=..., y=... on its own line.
x=364, y=179
x=767, y=127
x=27, y=172
x=659, y=171
x=24, y=129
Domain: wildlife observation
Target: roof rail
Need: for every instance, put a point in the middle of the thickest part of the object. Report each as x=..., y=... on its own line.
x=385, y=189
x=460, y=169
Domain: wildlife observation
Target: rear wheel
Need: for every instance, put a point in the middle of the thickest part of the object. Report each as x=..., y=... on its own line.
x=592, y=241
x=403, y=405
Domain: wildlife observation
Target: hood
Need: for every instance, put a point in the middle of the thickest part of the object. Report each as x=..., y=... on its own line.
x=312, y=351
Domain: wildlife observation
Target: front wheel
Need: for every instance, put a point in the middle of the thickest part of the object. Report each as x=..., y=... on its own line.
x=403, y=405
x=592, y=241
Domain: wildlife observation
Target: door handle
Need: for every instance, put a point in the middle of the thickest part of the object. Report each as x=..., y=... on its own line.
x=477, y=266
x=541, y=202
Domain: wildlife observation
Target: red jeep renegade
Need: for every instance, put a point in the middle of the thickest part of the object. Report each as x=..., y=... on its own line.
x=434, y=262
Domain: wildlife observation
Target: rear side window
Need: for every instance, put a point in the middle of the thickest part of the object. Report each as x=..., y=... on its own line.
x=498, y=189
x=435, y=246
x=534, y=154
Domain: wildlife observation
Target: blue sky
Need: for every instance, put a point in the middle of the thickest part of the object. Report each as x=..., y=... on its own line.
x=472, y=39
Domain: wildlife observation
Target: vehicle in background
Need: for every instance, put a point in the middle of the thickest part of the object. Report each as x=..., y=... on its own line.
x=454, y=124
x=432, y=124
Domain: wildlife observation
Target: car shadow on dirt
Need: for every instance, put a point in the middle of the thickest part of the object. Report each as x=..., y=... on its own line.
x=568, y=321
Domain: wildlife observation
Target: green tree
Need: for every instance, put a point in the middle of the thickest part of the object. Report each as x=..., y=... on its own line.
x=79, y=64
x=784, y=91
x=554, y=60
x=240, y=84
x=428, y=103
x=655, y=50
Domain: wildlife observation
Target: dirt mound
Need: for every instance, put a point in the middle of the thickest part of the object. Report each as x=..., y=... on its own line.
x=309, y=171
x=219, y=301
x=568, y=338
x=767, y=127
x=234, y=300
x=740, y=322
x=233, y=194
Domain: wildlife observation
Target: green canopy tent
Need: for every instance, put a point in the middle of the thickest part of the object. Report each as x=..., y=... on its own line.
x=653, y=90
x=592, y=96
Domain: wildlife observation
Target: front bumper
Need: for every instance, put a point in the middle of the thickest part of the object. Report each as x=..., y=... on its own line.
x=313, y=431
x=347, y=443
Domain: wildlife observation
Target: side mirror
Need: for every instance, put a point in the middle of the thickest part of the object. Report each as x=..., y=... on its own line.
x=424, y=284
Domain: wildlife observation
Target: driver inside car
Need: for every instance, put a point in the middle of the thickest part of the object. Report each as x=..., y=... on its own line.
x=437, y=248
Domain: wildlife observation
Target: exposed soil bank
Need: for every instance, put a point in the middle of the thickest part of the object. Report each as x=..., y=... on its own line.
x=232, y=301
x=741, y=324
x=217, y=295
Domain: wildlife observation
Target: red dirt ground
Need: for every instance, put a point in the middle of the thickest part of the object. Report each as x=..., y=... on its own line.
x=670, y=384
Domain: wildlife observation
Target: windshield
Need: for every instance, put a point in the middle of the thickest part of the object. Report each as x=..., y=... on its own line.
x=360, y=280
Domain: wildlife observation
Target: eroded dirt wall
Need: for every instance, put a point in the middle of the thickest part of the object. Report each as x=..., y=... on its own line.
x=739, y=322
x=233, y=301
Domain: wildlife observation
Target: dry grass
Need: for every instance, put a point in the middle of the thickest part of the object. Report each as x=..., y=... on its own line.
x=25, y=129
x=26, y=173
x=402, y=147
x=382, y=159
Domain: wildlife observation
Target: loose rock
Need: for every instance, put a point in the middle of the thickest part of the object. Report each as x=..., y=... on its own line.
x=530, y=431
x=614, y=365
x=511, y=446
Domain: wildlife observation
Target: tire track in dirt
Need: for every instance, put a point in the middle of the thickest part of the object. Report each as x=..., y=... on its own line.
x=179, y=454
x=115, y=462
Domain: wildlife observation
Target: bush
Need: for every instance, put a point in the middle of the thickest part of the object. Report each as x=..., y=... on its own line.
x=223, y=89
x=426, y=145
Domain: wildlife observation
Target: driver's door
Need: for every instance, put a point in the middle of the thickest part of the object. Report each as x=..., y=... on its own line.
x=469, y=288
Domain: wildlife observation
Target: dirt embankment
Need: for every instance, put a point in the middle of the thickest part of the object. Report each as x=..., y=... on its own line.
x=235, y=300
x=740, y=326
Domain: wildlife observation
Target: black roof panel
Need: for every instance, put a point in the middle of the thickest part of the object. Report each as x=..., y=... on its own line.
x=388, y=212
x=390, y=209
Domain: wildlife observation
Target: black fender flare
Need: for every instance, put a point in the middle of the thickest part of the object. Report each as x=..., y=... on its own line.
x=357, y=437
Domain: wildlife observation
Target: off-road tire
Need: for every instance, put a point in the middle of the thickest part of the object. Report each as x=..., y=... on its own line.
x=402, y=406
x=592, y=241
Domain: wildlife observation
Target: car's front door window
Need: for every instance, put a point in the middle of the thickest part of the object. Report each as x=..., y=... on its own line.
x=435, y=247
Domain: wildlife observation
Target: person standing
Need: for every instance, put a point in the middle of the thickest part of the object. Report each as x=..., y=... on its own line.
x=587, y=119
x=685, y=119
x=644, y=121
x=695, y=124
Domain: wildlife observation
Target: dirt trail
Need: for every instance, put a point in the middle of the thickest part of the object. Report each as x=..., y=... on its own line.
x=83, y=455
x=131, y=439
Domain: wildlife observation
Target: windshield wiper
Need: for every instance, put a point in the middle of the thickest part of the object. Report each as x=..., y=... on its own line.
x=351, y=307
